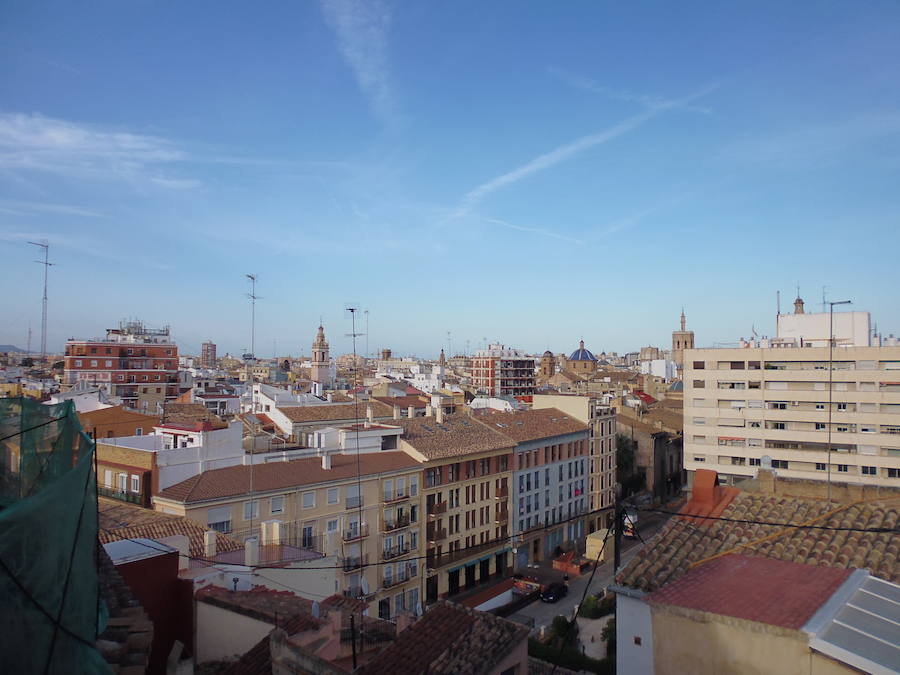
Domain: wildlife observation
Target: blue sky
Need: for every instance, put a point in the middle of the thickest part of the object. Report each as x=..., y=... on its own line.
x=524, y=172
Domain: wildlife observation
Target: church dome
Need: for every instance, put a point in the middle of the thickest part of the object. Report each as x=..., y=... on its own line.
x=582, y=354
x=548, y=353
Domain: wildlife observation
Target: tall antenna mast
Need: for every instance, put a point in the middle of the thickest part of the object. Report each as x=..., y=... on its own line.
x=46, y=263
x=449, y=347
x=28, y=346
x=253, y=298
x=366, y=312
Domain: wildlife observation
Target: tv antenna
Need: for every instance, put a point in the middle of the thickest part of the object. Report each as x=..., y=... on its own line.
x=44, y=244
x=253, y=298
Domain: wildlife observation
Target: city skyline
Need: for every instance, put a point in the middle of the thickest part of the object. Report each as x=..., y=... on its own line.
x=505, y=171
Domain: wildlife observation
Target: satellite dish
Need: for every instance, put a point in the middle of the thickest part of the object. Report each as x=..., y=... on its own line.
x=765, y=462
x=364, y=585
x=315, y=610
x=419, y=609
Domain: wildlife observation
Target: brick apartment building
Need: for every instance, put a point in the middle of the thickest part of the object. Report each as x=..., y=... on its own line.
x=500, y=371
x=136, y=363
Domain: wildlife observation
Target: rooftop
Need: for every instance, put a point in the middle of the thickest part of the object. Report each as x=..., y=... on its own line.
x=335, y=411
x=449, y=638
x=766, y=590
x=235, y=480
x=456, y=436
x=115, y=415
x=529, y=425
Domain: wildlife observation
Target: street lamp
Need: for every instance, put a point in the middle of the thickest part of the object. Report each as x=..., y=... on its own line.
x=830, y=376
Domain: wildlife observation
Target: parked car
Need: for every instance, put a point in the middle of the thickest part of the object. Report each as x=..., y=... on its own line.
x=554, y=592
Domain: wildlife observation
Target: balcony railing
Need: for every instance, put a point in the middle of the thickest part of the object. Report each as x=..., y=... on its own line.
x=437, y=508
x=435, y=534
x=132, y=497
x=395, y=523
x=501, y=516
x=400, y=578
x=502, y=492
x=394, y=497
x=353, y=562
x=353, y=502
x=355, y=533
x=395, y=551
x=434, y=561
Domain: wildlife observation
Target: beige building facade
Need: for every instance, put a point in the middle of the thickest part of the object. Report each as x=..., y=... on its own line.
x=752, y=407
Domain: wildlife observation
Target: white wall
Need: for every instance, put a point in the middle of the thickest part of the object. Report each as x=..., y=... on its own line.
x=222, y=635
x=633, y=620
x=815, y=327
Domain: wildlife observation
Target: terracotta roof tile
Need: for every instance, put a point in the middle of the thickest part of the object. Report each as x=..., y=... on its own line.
x=235, y=480
x=683, y=542
x=190, y=415
x=458, y=435
x=115, y=415
x=402, y=402
x=334, y=412
x=120, y=520
x=529, y=425
x=765, y=590
x=450, y=638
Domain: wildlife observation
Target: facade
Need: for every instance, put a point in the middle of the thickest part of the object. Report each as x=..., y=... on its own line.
x=370, y=523
x=208, y=354
x=681, y=340
x=601, y=418
x=758, y=406
x=136, y=363
x=550, y=481
x=466, y=495
x=116, y=421
x=582, y=361
x=502, y=371
x=659, y=454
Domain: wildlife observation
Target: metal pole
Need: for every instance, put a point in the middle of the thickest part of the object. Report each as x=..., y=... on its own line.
x=46, y=263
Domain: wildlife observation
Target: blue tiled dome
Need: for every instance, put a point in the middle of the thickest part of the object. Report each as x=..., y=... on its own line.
x=582, y=354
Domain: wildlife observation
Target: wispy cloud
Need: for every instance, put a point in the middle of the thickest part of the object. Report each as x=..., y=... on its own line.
x=20, y=208
x=532, y=230
x=362, y=27
x=647, y=101
x=569, y=150
x=33, y=142
x=634, y=219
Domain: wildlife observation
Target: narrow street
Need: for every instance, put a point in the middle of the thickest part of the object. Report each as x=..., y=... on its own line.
x=543, y=612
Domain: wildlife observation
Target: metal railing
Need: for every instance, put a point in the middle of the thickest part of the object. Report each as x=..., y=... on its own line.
x=435, y=534
x=353, y=502
x=437, y=508
x=391, y=552
x=396, y=523
x=125, y=496
x=353, y=562
x=391, y=497
x=355, y=533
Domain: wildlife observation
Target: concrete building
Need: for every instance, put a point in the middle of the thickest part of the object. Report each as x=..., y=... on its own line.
x=601, y=418
x=550, y=480
x=136, y=363
x=501, y=371
x=770, y=406
x=466, y=493
x=208, y=354
x=323, y=368
x=681, y=340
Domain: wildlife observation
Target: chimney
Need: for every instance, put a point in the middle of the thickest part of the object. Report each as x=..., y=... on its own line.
x=326, y=461
x=209, y=544
x=439, y=412
x=370, y=416
x=411, y=411
x=329, y=398
x=251, y=551
x=396, y=412
x=428, y=411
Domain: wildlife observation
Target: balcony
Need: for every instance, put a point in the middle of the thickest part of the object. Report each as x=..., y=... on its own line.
x=353, y=562
x=435, y=534
x=396, y=579
x=395, y=551
x=132, y=497
x=395, y=523
x=356, y=533
x=356, y=592
x=353, y=502
x=437, y=508
x=502, y=492
x=395, y=497
x=501, y=516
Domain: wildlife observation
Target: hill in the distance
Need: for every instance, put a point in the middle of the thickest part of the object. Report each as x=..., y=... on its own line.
x=11, y=348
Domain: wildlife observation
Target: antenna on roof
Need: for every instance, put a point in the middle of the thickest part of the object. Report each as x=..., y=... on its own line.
x=253, y=298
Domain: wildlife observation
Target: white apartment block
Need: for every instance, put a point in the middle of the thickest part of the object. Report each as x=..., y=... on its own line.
x=769, y=401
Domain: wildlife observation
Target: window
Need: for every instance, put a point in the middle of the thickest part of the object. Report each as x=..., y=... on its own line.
x=754, y=461
x=820, y=406
x=331, y=526
x=842, y=406
x=251, y=509
x=78, y=363
x=309, y=500
x=820, y=466
x=93, y=363
x=108, y=363
x=779, y=464
x=820, y=426
x=842, y=468
x=413, y=486
x=135, y=484
x=139, y=431
x=893, y=473
x=699, y=458
x=219, y=519
x=776, y=425
x=276, y=505
x=699, y=384
x=699, y=365
x=869, y=471
x=333, y=495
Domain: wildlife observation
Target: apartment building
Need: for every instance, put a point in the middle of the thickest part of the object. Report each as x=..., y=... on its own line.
x=549, y=482
x=769, y=404
x=134, y=362
x=601, y=418
x=208, y=354
x=362, y=512
x=466, y=493
x=502, y=371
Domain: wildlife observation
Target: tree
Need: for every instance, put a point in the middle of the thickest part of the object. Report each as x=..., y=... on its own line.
x=608, y=635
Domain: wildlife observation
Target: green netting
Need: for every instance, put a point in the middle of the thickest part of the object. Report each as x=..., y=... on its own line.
x=49, y=598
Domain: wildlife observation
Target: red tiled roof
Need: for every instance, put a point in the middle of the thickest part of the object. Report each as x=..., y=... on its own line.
x=530, y=425
x=402, y=401
x=334, y=412
x=235, y=480
x=774, y=592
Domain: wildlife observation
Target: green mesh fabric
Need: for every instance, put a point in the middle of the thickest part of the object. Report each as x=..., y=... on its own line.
x=48, y=541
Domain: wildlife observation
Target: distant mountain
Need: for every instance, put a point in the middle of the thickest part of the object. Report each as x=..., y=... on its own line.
x=11, y=348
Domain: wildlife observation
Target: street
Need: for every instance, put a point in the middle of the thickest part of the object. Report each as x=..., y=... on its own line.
x=543, y=612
